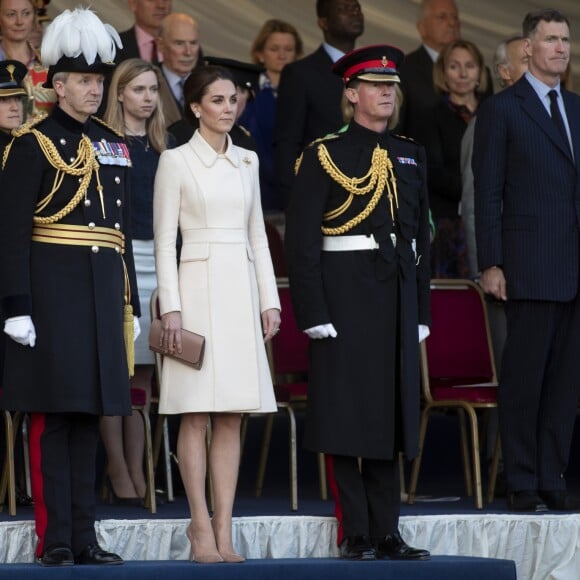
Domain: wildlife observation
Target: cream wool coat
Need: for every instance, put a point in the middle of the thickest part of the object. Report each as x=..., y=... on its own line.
x=224, y=281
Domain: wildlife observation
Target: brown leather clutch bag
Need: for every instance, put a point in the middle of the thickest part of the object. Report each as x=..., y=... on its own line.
x=192, y=345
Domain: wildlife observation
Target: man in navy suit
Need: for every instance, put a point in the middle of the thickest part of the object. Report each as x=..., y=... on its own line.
x=527, y=212
x=309, y=94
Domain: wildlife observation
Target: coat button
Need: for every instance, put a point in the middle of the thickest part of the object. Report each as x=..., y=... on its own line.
x=117, y=226
x=117, y=249
x=87, y=203
x=91, y=225
x=72, y=159
x=63, y=141
x=117, y=179
x=119, y=203
x=95, y=249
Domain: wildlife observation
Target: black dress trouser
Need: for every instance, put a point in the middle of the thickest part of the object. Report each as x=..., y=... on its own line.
x=63, y=449
x=370, y=496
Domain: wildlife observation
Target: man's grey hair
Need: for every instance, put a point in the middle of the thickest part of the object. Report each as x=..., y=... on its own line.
x=500, y=56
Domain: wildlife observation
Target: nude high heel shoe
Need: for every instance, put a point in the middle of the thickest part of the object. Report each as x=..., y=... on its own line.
x=210, y=558
x=232, y=557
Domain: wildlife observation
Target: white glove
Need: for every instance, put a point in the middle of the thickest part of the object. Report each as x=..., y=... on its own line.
x=21, y=329
x=321, y=331
x=424, y=332
x=136, y=328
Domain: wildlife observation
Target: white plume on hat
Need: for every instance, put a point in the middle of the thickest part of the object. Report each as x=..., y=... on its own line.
x=77, y=32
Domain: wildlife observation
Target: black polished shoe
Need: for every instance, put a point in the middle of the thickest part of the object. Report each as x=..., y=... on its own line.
x=560, y=500
x=394, y=547
x=357, y=548
x=94, y=554
x=57, y=555
x=526, y=501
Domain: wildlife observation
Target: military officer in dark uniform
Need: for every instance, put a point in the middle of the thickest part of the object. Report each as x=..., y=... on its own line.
x=357, y=239
x=66, y=270
x=12, y=93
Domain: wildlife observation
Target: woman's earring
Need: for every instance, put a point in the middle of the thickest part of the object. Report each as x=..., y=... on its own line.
x=197, y=114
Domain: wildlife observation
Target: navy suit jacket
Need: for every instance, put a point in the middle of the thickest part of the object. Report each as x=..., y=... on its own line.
x=308, y=107
x=527, y=194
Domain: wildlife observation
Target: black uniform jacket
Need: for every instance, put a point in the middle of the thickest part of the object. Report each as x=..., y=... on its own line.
x=74, y=294
x=363, y=397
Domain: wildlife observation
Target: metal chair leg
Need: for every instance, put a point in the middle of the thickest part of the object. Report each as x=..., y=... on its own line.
x=476, y=461
x=264, y=454
x=494, y=469
x=322, y=477
x=8, y=480
x=161, y=439
x=293, y=463
x=465, y=453
x=416, y=465
x=150, y=500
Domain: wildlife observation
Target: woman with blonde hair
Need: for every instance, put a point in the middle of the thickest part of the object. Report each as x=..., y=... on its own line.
x=460, y=78
x=277, y=44
x=134, y=109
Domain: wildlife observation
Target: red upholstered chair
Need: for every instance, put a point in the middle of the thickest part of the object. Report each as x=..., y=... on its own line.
x=458, y=372
x=288, y=357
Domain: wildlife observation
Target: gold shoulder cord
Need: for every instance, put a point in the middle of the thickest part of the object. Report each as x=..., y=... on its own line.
x=83, y=166
x=379, y=175
x=107, y=126
x=6, y=153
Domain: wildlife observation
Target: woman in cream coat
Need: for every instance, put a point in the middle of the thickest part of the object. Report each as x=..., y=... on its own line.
x=225, y=289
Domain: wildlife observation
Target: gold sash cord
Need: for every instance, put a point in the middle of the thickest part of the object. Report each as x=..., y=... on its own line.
x=71, y=235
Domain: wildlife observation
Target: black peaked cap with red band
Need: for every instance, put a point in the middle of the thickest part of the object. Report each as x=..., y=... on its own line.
x=376, y=63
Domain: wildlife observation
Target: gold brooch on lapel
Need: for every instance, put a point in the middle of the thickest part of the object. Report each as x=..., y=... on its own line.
x=247, y=160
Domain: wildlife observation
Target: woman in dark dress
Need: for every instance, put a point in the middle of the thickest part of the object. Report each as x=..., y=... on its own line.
x=459, y=77
x=134, y=110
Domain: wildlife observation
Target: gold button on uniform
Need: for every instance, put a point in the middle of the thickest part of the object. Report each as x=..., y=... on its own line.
x=119, y=203
x=117, y=226
x=91, y=225
x=117, y=249
x=117, y=179
x=63, y=141
x=95, y=249
x=87, y=203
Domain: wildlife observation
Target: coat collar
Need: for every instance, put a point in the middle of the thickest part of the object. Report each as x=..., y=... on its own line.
x=208, y=156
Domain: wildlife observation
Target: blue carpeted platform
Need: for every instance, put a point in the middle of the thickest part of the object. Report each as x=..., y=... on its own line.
x=444, y=567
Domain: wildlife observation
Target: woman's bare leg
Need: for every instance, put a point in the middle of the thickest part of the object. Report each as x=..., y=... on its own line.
x=224, y=461
x=191, y=453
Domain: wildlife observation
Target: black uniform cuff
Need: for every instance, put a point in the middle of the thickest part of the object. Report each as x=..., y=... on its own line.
x=16, y=306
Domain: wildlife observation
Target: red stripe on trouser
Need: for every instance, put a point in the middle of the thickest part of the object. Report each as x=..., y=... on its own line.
x=334, y=492
x=37, y=426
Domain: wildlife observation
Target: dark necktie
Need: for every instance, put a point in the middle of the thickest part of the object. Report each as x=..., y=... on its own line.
x=557, y=116
x=181, y=98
